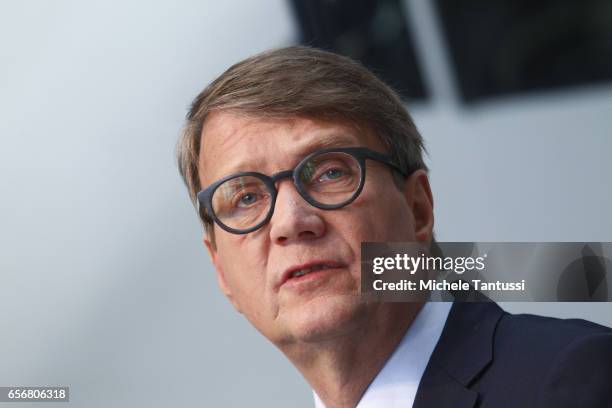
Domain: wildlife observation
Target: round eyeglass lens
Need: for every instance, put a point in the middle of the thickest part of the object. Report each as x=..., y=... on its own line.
x=242, y=202
x=331, y=178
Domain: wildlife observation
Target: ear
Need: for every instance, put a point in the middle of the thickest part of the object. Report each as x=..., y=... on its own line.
x=214, y=256
x=418, y=195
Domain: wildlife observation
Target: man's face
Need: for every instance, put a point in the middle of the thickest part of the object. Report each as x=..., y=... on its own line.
x=252, y=269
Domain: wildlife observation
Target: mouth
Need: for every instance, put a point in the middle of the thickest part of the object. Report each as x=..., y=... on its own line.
x=299, y=271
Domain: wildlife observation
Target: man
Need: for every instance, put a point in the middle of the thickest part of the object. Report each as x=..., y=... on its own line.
x=296, y=156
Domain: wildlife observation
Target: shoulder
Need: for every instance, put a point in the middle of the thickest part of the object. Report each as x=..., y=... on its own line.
x=557, y=362
x=546, y=334
x=571, y=359
x=497, y=359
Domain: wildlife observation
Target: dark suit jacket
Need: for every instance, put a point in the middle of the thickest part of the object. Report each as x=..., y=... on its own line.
x=489, y=358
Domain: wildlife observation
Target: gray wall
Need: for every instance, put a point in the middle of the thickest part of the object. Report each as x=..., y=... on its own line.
x=105, y=284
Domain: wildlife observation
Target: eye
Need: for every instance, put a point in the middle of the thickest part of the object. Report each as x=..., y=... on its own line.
x=329, y=170
x=246, y=199
x=332, y=174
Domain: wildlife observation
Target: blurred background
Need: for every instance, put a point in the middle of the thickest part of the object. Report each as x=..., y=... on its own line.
x=105, y=285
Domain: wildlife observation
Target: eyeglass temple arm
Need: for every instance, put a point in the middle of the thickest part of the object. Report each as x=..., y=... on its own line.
x=385, y=159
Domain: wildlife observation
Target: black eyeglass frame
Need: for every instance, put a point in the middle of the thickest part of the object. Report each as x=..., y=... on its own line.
x=360, y=153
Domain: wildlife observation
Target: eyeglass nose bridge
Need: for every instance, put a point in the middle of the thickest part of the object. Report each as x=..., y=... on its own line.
x=294, y=174
x=273, y=179
x=281, y=175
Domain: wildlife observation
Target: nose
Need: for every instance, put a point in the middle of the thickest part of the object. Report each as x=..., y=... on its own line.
x=294, y=219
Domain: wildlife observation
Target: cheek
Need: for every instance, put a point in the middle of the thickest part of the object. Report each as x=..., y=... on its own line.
x=381, y=215
x=244, y=267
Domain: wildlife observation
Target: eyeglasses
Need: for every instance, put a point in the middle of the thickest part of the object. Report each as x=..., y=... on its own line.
x=327, y=179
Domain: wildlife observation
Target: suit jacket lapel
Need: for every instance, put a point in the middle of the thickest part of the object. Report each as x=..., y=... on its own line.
x=464, y=350
x=439, y=390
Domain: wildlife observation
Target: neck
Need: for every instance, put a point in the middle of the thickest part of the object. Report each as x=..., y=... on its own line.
x=340, y=368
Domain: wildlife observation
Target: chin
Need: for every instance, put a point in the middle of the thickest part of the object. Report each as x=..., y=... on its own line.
x=327, y=317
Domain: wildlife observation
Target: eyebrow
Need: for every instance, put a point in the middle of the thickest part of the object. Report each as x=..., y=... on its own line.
x=337, y=139
x=332, y=140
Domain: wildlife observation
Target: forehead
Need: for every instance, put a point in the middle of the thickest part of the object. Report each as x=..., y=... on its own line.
x=233, y=142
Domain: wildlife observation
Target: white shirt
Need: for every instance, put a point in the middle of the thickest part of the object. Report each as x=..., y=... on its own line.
x=397, y=383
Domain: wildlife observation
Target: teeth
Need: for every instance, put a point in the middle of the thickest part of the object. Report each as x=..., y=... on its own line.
x=304, y=271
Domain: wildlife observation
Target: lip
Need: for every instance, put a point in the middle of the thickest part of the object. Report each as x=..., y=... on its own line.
x=286, y=275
